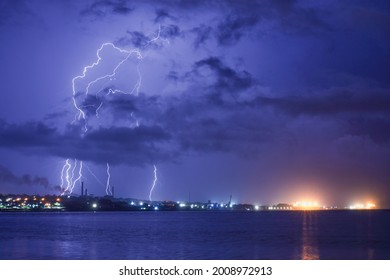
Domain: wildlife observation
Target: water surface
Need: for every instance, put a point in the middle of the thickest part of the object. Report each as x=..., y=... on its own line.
x=196, y=235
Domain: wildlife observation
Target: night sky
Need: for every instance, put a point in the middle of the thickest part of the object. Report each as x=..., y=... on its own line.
x=267, y=101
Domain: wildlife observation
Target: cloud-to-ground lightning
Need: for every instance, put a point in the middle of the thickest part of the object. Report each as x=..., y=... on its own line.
x=67, y=175
x=82, y=87
x=79, y=177
x=108, y=186
x=154, y=183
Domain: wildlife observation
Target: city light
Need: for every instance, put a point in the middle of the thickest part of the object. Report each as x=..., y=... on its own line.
x=307, y=205
x=361, y=206
x=26, y=203
x=370, y=205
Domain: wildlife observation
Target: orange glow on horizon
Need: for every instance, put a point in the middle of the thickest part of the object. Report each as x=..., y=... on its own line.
x=360, y=206
x=307, y=204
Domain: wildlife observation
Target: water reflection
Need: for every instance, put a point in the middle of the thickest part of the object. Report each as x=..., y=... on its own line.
x=309, y=236
x=331, y=235
x=369, y=236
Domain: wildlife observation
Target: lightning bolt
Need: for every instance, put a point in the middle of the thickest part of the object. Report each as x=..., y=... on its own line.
x=79, y=177
x=79, y=86
x=154, y=183
x=71, y=177
x=97, y=110
x=108, y=189
x=81, y=113
x=157, y=37
x=110, y=76
x=65, y=175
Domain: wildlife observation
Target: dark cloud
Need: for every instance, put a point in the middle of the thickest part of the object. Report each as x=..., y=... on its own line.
x=375, y=127
x=121, y=104
x=360, y=112
x=133, y=146
x=237, y=19
x=335, y=102
x=162, y=14
x=129, y=107
x=102, y=8
x=133, y=38
x=140, y=40
x=30, y=134
x=232, y=134
x=200, y=125
x=229, y=82
x=233, y=28
x=173, y=76
x=181, y=4
x=202, y=34
x=290, y=16
x=56, y=115
x=310, y=144
x=7, y=177
x=170, y=31
x=91, y=103
x=205, y=136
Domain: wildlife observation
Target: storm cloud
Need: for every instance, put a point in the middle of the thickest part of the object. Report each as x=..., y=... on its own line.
x=287, y=90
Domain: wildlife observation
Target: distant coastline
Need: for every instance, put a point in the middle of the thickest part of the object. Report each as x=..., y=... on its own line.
x=86, y=203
